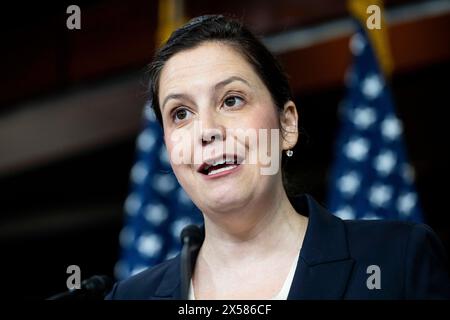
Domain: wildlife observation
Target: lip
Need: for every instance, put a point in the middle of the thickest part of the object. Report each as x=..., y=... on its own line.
x=221, y=174
x=237, y=159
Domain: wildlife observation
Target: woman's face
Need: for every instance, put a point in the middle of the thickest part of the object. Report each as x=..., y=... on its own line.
x=211, y=102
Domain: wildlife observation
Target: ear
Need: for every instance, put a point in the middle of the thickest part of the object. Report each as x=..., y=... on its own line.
x=289, y=129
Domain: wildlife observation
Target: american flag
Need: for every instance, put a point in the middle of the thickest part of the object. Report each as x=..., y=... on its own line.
x=156, y=209
x=371, y=177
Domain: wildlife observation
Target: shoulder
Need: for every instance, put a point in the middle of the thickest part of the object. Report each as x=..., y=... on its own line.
x=391, y=236
x=379, y=232
x=145, y=284
x=408, y=254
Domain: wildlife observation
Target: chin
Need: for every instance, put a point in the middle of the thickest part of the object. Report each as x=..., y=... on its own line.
x=223, y=202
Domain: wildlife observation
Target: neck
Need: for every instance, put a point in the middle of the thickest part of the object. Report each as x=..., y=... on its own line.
x=253, y=233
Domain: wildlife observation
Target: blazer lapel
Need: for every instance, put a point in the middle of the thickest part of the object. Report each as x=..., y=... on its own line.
x=324, y=265
x=322, y=281
x=169, y=287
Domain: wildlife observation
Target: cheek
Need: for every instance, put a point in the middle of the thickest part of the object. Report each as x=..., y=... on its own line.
x=269, y=139
x=263, y=121
x=177, y=163
x=264, y=117
x=179, y=145
x=169, y=147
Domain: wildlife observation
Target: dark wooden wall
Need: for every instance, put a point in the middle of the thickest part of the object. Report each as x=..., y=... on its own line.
x=65, y=206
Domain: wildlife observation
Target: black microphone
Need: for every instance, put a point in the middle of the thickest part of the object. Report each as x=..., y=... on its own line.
x=94, y=288
x=191, y=233
x=191, y=239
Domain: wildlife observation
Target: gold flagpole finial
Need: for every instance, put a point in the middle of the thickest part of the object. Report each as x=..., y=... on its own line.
x=170, y=17
x=360, y=9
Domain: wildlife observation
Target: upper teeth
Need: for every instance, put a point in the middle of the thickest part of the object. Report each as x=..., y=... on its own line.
x=217, y=162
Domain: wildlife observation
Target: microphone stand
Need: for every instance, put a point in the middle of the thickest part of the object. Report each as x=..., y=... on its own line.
x=94, y=288
x=191, y=238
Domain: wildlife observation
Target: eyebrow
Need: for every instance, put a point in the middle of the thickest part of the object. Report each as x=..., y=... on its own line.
x=229, y=80
x=174, y=96
x=217, y=86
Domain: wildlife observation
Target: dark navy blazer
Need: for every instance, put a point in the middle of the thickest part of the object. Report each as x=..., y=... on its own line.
x=334, y=262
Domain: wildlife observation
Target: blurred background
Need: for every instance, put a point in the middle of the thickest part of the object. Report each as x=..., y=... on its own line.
x=71, y=105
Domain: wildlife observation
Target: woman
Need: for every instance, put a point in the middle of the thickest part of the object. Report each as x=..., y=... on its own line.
x=209, y=82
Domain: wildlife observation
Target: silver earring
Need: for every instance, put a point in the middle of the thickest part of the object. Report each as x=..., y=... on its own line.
x=289, y=153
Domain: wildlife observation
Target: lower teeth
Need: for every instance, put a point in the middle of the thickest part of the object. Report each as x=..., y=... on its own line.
x=221, y=170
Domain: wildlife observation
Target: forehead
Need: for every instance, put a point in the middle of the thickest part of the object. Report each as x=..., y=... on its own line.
x=204, y=66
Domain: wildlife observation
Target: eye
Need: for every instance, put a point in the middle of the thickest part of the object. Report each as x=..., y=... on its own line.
x=181, y=114
x=233, y=102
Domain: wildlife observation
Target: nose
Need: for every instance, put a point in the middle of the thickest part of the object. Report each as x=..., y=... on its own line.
x=211, y=130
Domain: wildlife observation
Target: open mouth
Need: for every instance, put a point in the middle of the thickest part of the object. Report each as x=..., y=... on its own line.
x=219, y=165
